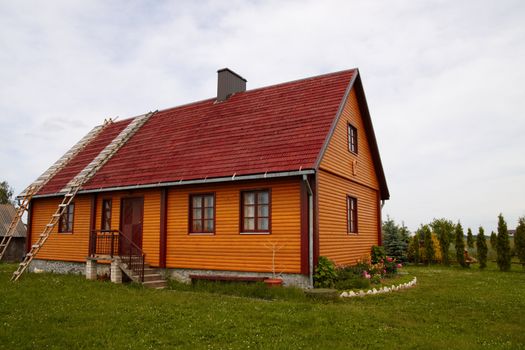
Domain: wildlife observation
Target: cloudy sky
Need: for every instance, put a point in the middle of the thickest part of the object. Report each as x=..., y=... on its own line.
x=445, y=82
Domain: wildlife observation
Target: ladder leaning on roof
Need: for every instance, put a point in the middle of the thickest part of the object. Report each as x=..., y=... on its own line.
x=24, y=205
x=32, y=189
x=76, y=183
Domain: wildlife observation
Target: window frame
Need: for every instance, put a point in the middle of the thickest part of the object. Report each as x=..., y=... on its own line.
x=255, y=231
x=352, y=139
x=350, y=229
x=103, y=213
x=67, y=213
x=202, y=219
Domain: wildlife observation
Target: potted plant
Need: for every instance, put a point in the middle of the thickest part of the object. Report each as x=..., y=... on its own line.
x=275, y=281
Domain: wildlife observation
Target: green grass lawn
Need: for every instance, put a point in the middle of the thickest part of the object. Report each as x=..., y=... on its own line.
x=449, y=308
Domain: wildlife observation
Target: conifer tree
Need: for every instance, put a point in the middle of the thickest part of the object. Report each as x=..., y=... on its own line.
x=393, y=242
x=481, y=246
x=444, y=229
x=470, y=238
x=503, y=245
x=460, y=246
x=493, y=240
x=519, y=240
x=415, y=247
x=429, y=245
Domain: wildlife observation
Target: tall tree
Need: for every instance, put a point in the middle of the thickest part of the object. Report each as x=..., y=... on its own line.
x=444, y=229
x=470, y=238
x=519, y=240
x=493, y=240
x=6, y=192
x=503, y=246
x=481, y=246
x=460, y=245
x=429, y=245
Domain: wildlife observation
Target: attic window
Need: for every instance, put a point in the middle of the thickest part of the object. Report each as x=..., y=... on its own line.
x=352, y=138
x=66, y=220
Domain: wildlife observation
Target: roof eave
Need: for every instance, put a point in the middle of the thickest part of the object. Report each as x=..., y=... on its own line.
x=181, y=182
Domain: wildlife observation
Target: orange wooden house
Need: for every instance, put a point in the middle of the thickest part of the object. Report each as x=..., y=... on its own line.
x=219, y=187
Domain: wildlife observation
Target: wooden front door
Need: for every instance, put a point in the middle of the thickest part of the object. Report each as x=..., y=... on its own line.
x=132, y=212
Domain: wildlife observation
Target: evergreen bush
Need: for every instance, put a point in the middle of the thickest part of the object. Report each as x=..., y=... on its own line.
x=429, y=245
x=493, y=240
x=481, y=246
x=460, y=246
x=394, y=241
x=470, y=238
x=519, y=240
x=444, y=229
x=503, y=245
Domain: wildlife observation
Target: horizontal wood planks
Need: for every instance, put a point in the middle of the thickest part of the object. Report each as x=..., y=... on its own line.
x=334, y=240
x=337, y=180
x=62, y=246
x=227, y=249
x=339, y=159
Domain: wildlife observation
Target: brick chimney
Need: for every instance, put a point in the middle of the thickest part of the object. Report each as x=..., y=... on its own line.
x=229, y=83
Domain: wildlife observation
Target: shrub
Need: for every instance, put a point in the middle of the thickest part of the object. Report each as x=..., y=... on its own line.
x=460, y=246
x=325, y=273
x=394, y=240
x=429, y=245
x=444, y=229
x=493, y=240
x=470, y=238
x=503, y=246
x=413, y=249
x=481, y=246
x=519, y=240
x=377, y=254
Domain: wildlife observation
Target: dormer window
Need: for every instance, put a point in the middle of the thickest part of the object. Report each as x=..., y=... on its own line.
x=352, y=138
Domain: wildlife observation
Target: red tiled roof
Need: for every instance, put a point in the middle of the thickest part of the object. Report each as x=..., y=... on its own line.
x=276, y=128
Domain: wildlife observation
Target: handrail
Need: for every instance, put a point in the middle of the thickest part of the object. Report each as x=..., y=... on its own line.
x=111, y=243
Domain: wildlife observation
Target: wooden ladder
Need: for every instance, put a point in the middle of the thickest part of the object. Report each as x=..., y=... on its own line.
x=24, y=205
x=74, y=186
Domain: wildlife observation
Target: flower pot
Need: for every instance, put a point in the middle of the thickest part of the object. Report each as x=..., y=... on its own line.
x=273, y=282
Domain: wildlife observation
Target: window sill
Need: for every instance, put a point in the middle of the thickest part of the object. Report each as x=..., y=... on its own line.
x=353, y=233
x=254, y=233
x=201, y=233
x=65, y=233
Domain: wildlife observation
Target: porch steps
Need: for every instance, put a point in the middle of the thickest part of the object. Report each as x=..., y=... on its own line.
x=152, y=278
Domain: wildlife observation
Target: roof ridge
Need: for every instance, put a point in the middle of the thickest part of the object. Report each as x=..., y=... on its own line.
x=263, y=87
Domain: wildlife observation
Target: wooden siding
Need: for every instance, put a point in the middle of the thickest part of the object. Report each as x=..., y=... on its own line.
x=151, y=219
x=337, y=180
x=62, y=246
x=338, y=159
x=227, y=249
x=334, y=240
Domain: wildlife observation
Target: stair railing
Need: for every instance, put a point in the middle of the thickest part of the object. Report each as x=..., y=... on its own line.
x=113, y=243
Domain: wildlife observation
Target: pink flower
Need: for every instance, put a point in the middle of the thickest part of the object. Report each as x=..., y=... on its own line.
x=399, y=266
x=389, y=259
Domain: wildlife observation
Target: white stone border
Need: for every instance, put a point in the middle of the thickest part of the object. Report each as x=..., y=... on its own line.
x=374, y=291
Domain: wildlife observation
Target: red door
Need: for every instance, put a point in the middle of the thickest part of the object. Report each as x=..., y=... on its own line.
x=132, y=212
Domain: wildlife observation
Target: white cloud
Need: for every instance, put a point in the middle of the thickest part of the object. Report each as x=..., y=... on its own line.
x=444, y=81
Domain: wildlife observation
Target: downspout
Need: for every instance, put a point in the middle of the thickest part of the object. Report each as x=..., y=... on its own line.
x=310, y=231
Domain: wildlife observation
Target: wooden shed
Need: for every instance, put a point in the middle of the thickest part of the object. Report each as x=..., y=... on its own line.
x=17, y=248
